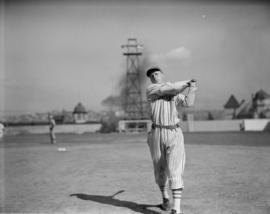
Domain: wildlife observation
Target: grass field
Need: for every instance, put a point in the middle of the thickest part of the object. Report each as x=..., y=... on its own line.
x=111, y=173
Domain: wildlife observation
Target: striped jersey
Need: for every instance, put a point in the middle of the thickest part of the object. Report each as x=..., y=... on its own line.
x=164, y=106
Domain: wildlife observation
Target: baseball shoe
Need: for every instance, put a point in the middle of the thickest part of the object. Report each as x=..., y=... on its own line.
x=174, y=212
x=166, y=204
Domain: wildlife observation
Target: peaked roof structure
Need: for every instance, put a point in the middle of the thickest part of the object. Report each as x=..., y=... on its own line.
x=232, y=103
x=261, y=95
x=248, y=110
x=79, y=108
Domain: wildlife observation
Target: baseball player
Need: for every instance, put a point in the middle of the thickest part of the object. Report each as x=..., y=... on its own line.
x=51, y=127
x=1, y=130
x=165, y=140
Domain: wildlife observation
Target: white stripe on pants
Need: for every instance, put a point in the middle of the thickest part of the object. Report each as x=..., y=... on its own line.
x=168, y=155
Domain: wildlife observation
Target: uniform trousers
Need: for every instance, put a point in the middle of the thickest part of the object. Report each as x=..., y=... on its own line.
x=168, y=154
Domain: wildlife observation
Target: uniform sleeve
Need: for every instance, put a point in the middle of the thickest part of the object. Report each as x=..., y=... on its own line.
x=188, y=99
x=153, y=92
x=180, y=85
x=180, y=99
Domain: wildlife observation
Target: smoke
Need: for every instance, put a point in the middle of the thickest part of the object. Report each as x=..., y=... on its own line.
x=119, y=101
x=146, y=60
x=112, y=101
x=143, y=64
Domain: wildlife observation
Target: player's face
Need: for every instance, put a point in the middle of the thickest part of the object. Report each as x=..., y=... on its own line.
x=156, y=77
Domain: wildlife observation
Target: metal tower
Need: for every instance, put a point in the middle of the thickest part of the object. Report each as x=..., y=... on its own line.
x=133, y=97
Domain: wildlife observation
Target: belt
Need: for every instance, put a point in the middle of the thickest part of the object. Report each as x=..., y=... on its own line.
x=166, y=127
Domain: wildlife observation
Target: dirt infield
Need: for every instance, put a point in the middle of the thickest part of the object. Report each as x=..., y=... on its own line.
x=225, y=173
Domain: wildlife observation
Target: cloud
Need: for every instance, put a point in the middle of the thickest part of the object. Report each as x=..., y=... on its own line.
x=180, y=54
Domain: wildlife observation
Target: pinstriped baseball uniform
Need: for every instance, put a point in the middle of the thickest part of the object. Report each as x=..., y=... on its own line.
x=166, y=145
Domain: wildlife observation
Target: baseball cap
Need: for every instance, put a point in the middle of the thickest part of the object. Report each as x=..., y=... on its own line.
x=151, y=70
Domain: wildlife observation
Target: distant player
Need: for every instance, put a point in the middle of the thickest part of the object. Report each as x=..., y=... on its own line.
x=51, y=129
x=1, y=130
x=165, y=140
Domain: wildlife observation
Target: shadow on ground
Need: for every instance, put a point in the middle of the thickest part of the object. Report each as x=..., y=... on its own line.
x=140, y=208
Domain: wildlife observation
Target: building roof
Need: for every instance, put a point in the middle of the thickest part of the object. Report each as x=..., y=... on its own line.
x=232, y=103
x=79, y=108
x=261, y=95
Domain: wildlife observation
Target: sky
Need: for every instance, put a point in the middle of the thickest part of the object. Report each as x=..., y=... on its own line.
x=57, y=54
